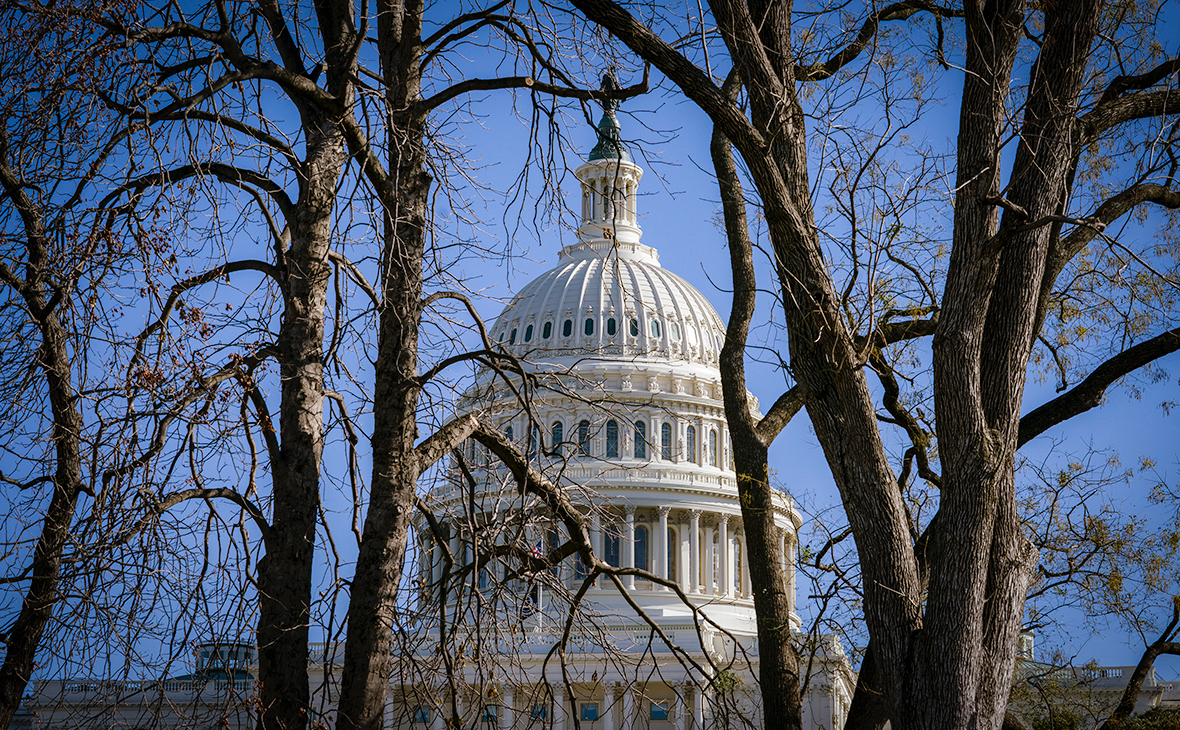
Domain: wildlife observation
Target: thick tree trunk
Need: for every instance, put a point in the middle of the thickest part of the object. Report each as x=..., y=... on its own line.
x=368, y=656
x=37, y=607
x=981, y=561
x=285, y=572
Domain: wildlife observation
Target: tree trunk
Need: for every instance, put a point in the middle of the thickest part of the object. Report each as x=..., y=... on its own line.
x=24, y=637
x=285, y=572
x=368, y=656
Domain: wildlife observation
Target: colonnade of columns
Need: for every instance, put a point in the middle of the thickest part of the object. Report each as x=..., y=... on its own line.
x=618, y=706
x=708, y=550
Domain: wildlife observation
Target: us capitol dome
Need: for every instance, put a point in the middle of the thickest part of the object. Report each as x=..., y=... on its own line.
x=623, y=408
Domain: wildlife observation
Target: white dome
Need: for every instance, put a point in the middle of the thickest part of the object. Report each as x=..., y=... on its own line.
x=610, y=299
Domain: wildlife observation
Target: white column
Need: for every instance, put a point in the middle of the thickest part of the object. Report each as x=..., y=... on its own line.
x=723, y=560
x=694, y=551
x=437, y=721
x=661, y=542
x=782, y=552
x=596, y=539
x=679, y=708
x=608, y=706
x=791, y=587
x=710, y=559
x=558, y=707
x=628, y=709
x=629, y=545
x=684, y=561
x=506, y=714
x=698, y=709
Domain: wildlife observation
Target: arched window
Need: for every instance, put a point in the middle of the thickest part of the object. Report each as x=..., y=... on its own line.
x=589, y=328
x=655, y=328
x=512, y=337
x=641, y=547
x=508, y=432
x=611, y=327
x=640, y=440
x=584, y=438
x=634, y=327
x=556, y=436
x=611, y=543
x=673, y=556
x=712, y=447
x=675, y=328
x=567, y=328
x=666, y=442
x=737, y=566
x=528, y=333
x=692, y=444
x=547, y=330
x=612, y=439
x=535, y=443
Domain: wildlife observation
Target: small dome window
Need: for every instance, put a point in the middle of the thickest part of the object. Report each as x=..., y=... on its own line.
x=611, y=327
x=589, y=326
x=528, y=333
x=674, y=327
x=547, y=331
x=634, y=327
x=655, y=327
x=512, y=337
x=567, y=329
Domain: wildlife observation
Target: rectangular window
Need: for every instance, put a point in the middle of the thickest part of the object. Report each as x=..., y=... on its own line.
x=490, y=713
x=540, y=712
x=589, y=711
x=659, y=710
x=421, y=715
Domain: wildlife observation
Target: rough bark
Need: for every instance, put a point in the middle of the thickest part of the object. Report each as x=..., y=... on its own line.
x=778, y=666
x=951, y=665
x=55, y=364
x=368, y=658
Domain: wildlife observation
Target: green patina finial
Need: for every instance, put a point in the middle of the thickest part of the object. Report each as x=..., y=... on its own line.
x=610, y=145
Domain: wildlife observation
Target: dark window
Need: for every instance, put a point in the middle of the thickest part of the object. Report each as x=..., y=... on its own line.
x=535, y=443
x=634, y=328
x=547, y=330
x=640, y=440
x=589, y=326
x=508, y=431
x=490, y=713
x=540, y=712
x=712, y=447
x=421, y=715
x=611, y=546
x=659, y=710
x=567, y=329
x=584, y=438
x=666, y=442
x=512, y=337
x=692, y=444
x=611, y=327
x=589, y=711
x=655, y=328
x=673, y=555
x=528, y=333
x=556, y=436
x=612, y=439
x=641, y=547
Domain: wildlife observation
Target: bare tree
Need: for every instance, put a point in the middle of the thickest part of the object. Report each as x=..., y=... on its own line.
x=943, y=612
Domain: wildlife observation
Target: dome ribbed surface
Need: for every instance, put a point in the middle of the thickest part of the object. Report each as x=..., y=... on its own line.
x=610, y=300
